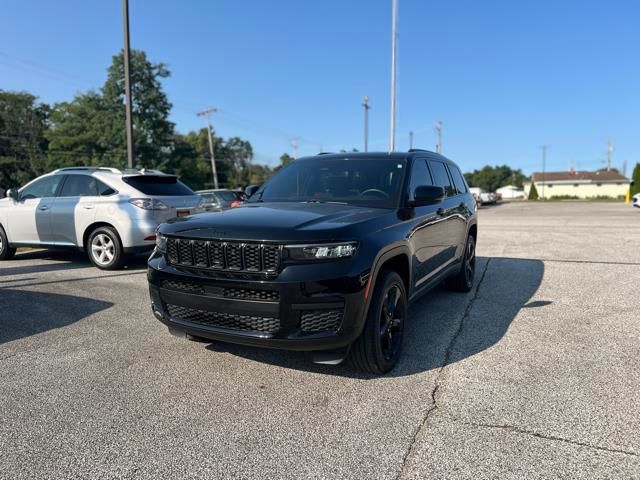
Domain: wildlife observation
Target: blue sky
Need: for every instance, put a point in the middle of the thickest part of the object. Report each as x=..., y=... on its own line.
x=504, y=76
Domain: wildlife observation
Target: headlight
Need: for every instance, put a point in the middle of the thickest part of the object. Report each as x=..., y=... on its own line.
x=161, y=243
x=322, y=251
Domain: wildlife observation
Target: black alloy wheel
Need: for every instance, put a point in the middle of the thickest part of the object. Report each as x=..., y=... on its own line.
x=379, y=347
x=463, y=280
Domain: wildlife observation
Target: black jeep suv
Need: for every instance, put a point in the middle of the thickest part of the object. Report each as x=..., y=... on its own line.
x=324, y=257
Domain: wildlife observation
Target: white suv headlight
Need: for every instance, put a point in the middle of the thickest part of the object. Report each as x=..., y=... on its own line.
x=322, y=251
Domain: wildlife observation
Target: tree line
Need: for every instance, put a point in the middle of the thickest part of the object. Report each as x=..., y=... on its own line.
x=36, y=138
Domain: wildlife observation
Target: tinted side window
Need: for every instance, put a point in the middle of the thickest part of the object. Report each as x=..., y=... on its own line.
x=156, y=185
x=104, y=190
x=458, y=179
x=419, y=176
x=45, y=187
x=79, y=186
x=441, y=178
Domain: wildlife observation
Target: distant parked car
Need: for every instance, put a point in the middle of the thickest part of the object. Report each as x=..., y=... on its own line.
x=106, y=212
x=510, y=192
x=636, y=200
x=482, y=196
x=220, y=199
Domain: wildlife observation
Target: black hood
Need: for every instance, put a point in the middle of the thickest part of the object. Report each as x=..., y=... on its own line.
x=280, y=222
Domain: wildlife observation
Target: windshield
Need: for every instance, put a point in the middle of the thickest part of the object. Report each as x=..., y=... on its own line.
x=167, y=185
x=369, y=182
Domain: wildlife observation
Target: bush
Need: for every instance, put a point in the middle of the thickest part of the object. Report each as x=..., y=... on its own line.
x=635, y=178
x=533, y=193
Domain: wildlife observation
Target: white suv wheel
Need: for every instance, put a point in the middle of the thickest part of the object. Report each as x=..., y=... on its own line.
x=103, y=249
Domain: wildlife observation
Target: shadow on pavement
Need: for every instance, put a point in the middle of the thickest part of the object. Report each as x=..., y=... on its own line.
x=435, y=336
x=57, y=260
x=24, y=313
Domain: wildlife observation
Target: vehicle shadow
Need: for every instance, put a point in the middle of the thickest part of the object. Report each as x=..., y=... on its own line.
x=24, y=313
x=443, y=327
x=57, y=260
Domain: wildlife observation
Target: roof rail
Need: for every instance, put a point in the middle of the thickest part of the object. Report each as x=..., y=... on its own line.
x=324, y=153
x=68, y=169
x=419, y=150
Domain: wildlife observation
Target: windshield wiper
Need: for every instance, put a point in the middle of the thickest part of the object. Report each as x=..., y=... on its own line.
x=325, y=201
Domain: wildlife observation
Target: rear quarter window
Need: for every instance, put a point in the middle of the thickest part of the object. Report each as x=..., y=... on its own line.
x=161, y=186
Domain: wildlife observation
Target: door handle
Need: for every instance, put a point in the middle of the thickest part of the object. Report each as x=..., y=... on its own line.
x=88, y=207
x=43, y=207
x=440, y=212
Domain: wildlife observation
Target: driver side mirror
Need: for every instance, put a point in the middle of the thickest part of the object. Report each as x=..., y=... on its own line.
x=250, y=190
x=427, y=195
x=13, y=193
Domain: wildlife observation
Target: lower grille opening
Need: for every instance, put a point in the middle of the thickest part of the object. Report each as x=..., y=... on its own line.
x=251, y=294
x=183, y=286
x=230, y=321
x=320, y=320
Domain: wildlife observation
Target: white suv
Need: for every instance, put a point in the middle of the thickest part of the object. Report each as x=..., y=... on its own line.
x=105, y=211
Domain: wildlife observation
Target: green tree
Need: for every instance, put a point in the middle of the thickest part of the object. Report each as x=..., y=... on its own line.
x=23, y=146
x=492, y=178
x=533, y=193
x=635, y=178
x=286, y=159
x=90, y=129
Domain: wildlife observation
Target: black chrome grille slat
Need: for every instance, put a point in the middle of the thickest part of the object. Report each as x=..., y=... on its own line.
x=228, y=256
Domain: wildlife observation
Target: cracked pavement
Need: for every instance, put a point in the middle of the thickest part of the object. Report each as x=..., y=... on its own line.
x=534, y=374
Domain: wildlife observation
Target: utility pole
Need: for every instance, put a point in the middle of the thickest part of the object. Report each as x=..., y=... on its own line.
x=127, y=84
x=295, y=144
x=394, y=37
x=624, y=168
x=410, y=140
x=544, y=167
x=438, y=128
x=366, y=107
x=205, y=113
x=609, y=154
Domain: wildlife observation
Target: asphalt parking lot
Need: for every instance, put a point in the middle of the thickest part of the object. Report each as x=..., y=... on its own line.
x=534, y=374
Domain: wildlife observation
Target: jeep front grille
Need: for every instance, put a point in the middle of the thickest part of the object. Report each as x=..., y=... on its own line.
x=230, y=256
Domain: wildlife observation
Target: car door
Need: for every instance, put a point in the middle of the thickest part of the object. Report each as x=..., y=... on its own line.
x=447, y=210
x=463, y=209
x=428, y=237
x=74, y=209
x=29, y=218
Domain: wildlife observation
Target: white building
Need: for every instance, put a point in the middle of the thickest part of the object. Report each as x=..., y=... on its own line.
x=576, y=184
x=509, y=192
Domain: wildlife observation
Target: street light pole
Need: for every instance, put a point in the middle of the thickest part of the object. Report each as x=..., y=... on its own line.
x=205, y=113
x=410, y=140
x=394, y=24
x=439, y=131
x=544, y=167
x=366, y=107
x=127, y=85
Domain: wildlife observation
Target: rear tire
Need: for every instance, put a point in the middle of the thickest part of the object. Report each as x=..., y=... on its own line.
x=378, y=348
x=463, y=280
x=6, y=251
x=105, y=249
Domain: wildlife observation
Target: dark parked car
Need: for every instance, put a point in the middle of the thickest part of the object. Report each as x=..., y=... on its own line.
x=220, y=199
x=324, y=257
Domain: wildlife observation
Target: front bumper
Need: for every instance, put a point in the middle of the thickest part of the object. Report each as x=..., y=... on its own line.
x=290, y=311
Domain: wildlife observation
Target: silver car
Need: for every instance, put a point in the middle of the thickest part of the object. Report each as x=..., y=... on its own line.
x=106, y=212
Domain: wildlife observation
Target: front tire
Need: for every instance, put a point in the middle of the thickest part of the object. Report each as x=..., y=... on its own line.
x=104, y=249
x=6, y=251
x=378, y=348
